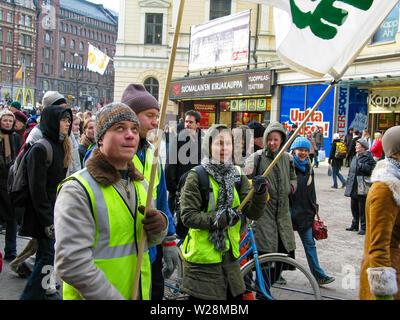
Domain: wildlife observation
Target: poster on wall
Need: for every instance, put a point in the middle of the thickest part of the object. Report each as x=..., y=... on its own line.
x=351, y=109
x=220, y=42
x=297, y=101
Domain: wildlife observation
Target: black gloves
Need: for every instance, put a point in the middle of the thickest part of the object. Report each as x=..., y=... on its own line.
x=260, y=184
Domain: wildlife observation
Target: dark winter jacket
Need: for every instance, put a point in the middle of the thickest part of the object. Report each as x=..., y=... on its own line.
x=6, y=209
x=352, y=148
x=43, y=182
x=181, y=158
x=361, y=165
x=304, y=200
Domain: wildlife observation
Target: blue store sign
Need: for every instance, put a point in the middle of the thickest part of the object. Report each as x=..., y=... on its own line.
x=297, y=101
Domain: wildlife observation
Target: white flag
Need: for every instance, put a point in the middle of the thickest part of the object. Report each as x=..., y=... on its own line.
x=97, y=60
x=319, y=37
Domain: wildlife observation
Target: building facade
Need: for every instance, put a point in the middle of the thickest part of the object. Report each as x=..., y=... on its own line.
x=146, y=28
x=17, y=48
x=64, y=30
x=366, y=97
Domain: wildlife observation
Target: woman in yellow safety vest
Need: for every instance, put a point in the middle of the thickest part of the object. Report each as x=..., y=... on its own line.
x=211, y=247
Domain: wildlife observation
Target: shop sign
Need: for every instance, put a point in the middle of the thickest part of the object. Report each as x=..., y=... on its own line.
x=383, y=101
x=296, y=103
x=204, y=107
x=243, y=83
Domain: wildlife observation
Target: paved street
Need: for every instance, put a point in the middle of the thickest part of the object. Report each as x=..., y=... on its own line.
x=339, y=255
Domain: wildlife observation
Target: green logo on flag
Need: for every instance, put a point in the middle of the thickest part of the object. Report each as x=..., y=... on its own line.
x=326, y=11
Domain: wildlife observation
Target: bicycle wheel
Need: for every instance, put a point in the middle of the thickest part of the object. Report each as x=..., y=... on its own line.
x=173, y=283
x=283, y=277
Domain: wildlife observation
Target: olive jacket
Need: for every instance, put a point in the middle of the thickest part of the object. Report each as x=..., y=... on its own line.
x=211, y=281
x=276, y=222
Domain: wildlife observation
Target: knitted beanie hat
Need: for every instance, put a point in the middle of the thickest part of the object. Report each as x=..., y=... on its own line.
x=20, y=116
x=301, y=142
x=52, y=98
x=257, y=127
x=138, y=98
x=16, y=105
x=6, y=112
x=391, y=141
x=111, y=114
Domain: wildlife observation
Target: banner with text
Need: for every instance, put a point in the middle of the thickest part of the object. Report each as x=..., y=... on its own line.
x=297, y=101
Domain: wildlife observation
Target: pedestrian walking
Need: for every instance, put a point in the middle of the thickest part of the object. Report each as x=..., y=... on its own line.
x=336, y=163
x=243, y=145
x=347, y=142
x=304, y=206
x=87, y=138
x=319, y=142
x=274, y=231
x=313, y=149
x=381, y=259
x=377, y=149
x=9, y=148
x=258, y=133
x=163, y=257
x=98, y=216
x=351, y=150
x=360, y=170
x=39, y=215
x=365, y=135
x=184, y=154
x=211, y=248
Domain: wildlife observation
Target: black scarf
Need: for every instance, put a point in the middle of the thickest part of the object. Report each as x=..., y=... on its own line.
x=224, y=175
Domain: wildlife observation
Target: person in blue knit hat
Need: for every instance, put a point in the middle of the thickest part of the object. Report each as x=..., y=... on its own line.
x=304, y=206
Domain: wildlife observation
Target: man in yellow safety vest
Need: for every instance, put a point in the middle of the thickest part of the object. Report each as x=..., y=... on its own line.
x=98, y=216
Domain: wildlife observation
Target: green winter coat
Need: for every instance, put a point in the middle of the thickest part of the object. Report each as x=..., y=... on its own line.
x=276, y=218
x=210, y=281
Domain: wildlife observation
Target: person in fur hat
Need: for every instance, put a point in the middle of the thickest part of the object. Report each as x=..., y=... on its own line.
x=99, y=216
x=379, y=278
x=211, y=248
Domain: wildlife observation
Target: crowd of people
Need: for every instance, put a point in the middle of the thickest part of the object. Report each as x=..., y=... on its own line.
x=86, y=209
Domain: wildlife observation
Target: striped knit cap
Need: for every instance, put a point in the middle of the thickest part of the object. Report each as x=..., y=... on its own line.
x=111, y=114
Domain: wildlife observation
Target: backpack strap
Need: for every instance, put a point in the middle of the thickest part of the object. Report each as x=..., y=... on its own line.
x=204, y=186
x=49, y=150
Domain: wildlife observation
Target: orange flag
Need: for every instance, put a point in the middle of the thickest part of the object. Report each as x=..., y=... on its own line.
x=19, y=74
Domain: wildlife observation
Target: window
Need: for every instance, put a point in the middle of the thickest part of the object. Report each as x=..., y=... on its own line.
x=1, y=34
x=1, y=55
x=219, y=8
x=72, y=46
x=151, y=85
x=9, y=17
x=63, y=42
x=47, y=37
x=81, y=47
x=28, y=21
x=153, y=29
x=8, y=57
x=9, y=37
x=45, y=85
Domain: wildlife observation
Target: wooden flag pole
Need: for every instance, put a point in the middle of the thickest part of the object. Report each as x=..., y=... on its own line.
x=157, y=146
x=289, y=142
